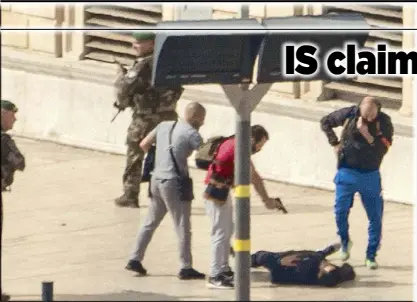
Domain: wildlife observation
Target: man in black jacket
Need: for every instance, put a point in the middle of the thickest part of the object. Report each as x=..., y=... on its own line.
x=303, y=267
x=365, y=139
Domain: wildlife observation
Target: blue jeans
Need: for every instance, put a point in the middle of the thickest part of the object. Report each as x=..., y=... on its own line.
x=368, y=185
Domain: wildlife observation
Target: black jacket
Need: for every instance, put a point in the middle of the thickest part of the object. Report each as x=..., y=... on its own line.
x=356, y=152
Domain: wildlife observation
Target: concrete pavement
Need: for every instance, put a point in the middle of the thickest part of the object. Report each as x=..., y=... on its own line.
x=61, y=225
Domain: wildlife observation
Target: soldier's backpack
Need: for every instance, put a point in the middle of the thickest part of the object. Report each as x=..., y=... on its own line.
x=206, y=153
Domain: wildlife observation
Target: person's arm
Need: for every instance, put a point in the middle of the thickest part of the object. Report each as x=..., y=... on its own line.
x=334, y=120
x=195, y=140
x=134, y=80
x=11, y=153
x=149, y=140
x=258, y=183
x=384, y=139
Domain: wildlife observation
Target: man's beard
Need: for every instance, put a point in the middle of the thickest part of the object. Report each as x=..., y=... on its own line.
x=253, y=149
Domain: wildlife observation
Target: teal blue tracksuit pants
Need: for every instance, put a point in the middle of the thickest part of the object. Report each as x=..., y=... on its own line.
x=368, y=185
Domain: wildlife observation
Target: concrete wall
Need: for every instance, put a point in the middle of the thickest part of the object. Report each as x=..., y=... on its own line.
x=71, y=103
x=24, y=16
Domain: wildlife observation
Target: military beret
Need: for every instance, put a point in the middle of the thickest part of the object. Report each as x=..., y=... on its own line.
x=143, y=36
x=7, y=105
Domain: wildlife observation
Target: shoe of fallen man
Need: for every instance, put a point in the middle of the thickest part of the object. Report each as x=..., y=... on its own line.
x=5, y=298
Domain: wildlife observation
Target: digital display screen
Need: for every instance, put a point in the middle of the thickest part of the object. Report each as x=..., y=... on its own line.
x=207, y=51
x=209, y=54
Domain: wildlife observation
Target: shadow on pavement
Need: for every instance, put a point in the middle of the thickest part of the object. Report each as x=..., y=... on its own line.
x=259, y=210
x=259, y=276
x=372, y=284
x=150, y=275
x=262, y=276
x=397, y=268
x=293, y=208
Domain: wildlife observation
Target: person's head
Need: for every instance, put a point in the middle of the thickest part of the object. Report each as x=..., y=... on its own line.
x=331, y=275
x=195, y=114
x=259, y=137
x=369, y=109
x=143, y=43
x=8, y=115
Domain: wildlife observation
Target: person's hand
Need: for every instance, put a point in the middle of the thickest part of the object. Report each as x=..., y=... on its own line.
x=336, y=149
x=362, y=126
x=363, y=129
x=270, y=203
x=121, y=70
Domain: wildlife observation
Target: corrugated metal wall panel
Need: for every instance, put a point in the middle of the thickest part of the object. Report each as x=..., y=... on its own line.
x=105, y=46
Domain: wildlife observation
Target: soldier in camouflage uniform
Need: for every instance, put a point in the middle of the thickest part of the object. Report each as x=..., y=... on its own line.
x=150, y=106
x=11, y=158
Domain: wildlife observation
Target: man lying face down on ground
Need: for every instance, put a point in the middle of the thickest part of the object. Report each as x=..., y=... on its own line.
x=303, y=267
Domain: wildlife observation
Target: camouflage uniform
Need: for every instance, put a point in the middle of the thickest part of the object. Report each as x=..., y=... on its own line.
x=150, y=106
x=11, y=160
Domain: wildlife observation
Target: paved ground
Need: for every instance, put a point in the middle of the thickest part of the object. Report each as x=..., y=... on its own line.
x=61, y=225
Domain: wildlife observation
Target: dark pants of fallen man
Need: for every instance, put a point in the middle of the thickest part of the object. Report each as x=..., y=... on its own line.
x=303, y=267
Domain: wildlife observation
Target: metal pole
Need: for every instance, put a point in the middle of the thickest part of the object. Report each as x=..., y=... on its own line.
x=242, y=191
x=47, y=291
x=242, y=198
x=244, y=101
x=244, y=11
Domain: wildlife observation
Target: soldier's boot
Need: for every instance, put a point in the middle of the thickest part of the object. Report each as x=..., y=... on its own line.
x=5, y=298
x=128, y=199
